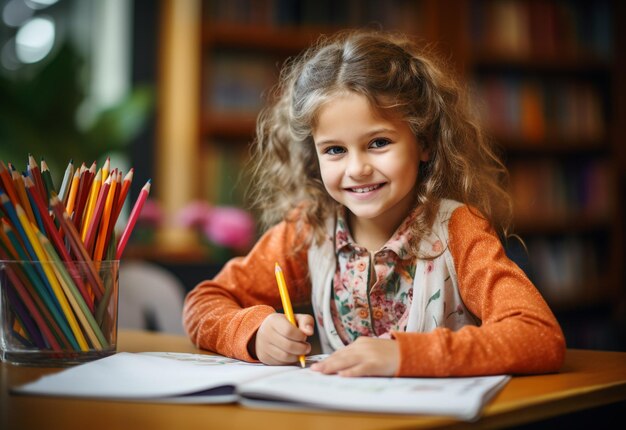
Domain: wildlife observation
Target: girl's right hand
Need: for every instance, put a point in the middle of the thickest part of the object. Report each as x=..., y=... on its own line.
x=279, y=342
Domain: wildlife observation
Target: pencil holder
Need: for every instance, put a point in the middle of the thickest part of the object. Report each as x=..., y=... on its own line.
x=57, y=313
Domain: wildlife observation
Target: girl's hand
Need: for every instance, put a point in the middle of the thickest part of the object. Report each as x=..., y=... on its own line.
x=279, y=342
x=364, y=357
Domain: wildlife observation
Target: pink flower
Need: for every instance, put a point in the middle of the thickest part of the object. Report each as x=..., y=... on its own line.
x=195, y=214
x=227, y=226
x=231, y=227
x=151, y=213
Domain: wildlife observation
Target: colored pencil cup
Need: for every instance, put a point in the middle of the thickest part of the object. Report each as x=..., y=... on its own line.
x=58, y=313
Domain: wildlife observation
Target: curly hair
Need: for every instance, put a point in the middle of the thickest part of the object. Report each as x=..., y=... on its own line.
x=398, y=78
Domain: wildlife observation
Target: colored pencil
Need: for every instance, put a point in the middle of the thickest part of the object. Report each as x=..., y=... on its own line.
x=83, y=192
x=52, y=279
x=35, y=173
x=77, y=246
x=35, y=310
x=106, y=216
x=71, y=195
x=66, y=182
x=47, y=179
x=96, y=184
x=134, y=214
x=95, y=221
x=286, y=301
x=55, y=237
x=7, y=181
x=76, y=301
x=113, y=218
x=38, y=291
x=105, y=170
x=18, y=181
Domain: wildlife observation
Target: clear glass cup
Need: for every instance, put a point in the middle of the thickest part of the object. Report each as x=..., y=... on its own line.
x=55, y=313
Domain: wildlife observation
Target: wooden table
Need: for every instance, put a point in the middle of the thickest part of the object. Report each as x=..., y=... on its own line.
x=588, y=379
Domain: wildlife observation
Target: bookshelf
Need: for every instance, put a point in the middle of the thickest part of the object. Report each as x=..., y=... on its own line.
x=548, y=80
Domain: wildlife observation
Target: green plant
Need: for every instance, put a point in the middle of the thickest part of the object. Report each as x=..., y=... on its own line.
x=38, y=115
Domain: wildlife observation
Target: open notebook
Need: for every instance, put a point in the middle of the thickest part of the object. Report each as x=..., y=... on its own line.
x=199, y=378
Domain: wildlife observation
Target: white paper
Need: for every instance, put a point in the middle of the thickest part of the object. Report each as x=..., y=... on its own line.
x=189, y=378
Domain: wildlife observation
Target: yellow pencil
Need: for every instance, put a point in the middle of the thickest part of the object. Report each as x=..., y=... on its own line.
x=284, y=297
x=91, y=203
x=105, y=170
x=89, y=324
x=52, y=279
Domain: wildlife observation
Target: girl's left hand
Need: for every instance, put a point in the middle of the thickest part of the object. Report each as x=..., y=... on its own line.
x=364, y=357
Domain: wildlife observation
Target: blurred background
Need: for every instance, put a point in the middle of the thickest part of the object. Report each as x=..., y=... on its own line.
x=171, y=88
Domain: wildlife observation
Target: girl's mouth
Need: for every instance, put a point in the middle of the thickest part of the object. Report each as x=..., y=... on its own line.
x=366, y=189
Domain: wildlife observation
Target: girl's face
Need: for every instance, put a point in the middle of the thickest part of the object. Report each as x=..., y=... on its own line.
x=368, y=163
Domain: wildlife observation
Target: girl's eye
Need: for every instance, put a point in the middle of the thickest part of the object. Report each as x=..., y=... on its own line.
x=379, y=143
x=334, y=150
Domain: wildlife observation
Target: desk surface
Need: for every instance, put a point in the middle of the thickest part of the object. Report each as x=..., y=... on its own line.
x=588, y=379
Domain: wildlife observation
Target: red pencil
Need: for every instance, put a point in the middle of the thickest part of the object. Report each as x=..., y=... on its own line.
x=7, y=181
x=34, y=171
x=84, y=186
x=143, y=195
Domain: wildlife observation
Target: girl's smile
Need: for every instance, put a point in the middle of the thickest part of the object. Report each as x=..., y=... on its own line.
x=368, y=163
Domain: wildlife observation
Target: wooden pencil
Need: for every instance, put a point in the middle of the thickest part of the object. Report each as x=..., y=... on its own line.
x=71, y=196
x=47, y=179
x=35, y=173
x=18, y=181
x=37, y=289
x=143, y=195
x=66, y=182
x=52, y=279
x=106, y=215
x=55, y=237
x=96, y=184
x=7, y=181
x=97, y=215
x=76, y=301
x=77, y=245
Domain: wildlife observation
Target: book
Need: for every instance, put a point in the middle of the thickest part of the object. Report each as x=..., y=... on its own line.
x=209, y=379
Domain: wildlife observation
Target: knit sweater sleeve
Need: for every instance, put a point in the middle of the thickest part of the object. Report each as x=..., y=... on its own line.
x=223, y=314
x=518, y=332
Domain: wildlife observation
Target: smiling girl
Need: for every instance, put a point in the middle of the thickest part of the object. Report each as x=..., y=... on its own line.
x=384, y=204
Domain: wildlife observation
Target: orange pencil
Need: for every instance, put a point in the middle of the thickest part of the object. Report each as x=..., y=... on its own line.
x=97, y=215
x=71, y=197
x=91, y=202
x=113, y=217
x=106, y=215
x=134, y=214
x=18, y=181
x=128, y=179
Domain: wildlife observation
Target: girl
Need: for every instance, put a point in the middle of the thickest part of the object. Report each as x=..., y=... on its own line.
x=385, y=202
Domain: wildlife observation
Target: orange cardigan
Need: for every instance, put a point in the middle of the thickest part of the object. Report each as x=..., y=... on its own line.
x=518, y=332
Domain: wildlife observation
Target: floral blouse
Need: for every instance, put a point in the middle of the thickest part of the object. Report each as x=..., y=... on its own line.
x=372, y=294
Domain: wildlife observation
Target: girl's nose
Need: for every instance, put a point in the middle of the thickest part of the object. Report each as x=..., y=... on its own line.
x=358, y=166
